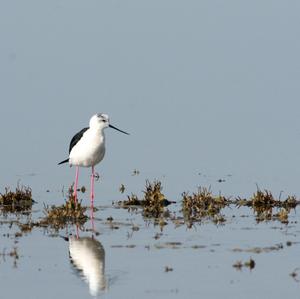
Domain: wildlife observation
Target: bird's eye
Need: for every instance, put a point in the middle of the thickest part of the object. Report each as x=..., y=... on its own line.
x=104, y=120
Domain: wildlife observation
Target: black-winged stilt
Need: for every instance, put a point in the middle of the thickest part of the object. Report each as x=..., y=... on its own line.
x=87, y=148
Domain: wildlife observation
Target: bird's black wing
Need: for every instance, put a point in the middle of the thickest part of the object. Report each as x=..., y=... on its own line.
x=76, y=138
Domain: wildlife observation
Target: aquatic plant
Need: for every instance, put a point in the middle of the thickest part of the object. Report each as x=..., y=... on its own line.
x=153, y=202
x=263, y=203
x=132, y=200
x=69, y=213
x=18, y=201
x=203, y=205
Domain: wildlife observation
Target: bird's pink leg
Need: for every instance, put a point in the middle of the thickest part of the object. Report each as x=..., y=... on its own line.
x=92, y=197
x=92, y=187
x=76, y=184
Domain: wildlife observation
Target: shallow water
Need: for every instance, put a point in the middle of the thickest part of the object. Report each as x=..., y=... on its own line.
x=208, y=90
x=130, y=254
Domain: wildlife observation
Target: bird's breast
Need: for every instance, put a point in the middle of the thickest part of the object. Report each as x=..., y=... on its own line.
x=89, y=151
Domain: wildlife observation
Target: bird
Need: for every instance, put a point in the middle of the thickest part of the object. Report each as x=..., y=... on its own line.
x=87, y=148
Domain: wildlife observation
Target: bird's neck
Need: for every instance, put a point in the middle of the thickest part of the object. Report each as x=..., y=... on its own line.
x=98, y=131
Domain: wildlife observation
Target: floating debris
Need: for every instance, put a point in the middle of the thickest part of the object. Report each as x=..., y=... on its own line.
x=294, y=274
x=248, y=264
x=203, y=205
x=198, y=246
x=111, y=224
x=157, y=236
x=168, y=269
x=122, y=188
x=130, y=246
x=275, y=247
x=18, y=201
x=135, y=172
x=171, y=245
x=135, y=228
x=238, y=265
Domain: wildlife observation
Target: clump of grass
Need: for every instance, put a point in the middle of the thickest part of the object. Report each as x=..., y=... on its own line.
x=263, y=203
x=265, y=200
x=290, y=202
x=18, y=201
x=68, y=213
x=132, y=200
x=153, y=201
x=203, y=205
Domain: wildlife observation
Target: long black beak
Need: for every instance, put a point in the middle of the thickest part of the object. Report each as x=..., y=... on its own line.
x=111, y=126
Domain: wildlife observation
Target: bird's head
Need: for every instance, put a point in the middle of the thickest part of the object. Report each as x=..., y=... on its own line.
x=101, y=121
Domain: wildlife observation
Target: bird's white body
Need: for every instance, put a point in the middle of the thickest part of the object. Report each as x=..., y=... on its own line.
x=90, y=149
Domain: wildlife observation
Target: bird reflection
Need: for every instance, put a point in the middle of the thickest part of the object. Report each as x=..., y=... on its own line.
x=88, y=257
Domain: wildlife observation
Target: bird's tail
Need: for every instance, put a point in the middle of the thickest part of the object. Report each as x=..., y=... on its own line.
x=64, y=161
